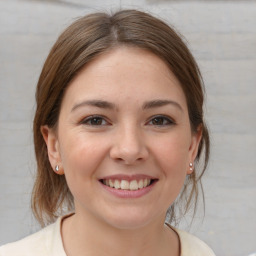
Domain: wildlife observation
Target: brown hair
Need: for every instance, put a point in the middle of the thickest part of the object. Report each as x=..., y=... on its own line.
x=83, y=41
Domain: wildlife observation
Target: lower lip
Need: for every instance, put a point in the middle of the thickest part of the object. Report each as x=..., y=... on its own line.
x=129, y=193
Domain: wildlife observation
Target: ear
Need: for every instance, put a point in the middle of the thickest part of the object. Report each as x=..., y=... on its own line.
x=194, y=145
x=52, y=143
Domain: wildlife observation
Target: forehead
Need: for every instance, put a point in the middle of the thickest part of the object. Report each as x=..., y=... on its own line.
x=125, y=73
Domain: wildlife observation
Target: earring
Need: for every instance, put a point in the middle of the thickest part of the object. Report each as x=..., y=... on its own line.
x=57, y=168
x=191, y=167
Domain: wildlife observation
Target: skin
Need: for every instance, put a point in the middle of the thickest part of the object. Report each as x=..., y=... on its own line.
x=128, y=137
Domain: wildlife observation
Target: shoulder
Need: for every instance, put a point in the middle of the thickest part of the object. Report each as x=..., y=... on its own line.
x=34, y=244
x=193, y=246
x=41, y=243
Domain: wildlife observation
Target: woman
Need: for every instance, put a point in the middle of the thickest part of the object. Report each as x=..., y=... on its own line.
x=118, y=134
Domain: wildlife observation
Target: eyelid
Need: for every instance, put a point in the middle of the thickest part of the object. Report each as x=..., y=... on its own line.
x=170, y=120
x=88, y=118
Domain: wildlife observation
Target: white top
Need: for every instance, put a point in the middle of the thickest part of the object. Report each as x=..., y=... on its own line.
x=48, y=242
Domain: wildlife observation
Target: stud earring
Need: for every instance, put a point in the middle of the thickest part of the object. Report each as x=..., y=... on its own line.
x=57, y=168
x=191, y=167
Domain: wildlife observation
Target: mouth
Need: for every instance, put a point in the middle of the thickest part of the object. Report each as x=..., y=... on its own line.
x=130, y=185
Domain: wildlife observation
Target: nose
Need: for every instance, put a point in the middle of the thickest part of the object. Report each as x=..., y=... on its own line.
x=129, y=146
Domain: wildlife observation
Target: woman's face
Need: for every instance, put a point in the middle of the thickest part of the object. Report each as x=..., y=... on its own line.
x=124, y=141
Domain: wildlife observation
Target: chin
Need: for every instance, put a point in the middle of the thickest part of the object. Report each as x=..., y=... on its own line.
x=130, y=220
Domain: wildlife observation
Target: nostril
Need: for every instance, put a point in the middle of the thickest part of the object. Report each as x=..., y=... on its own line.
x=119, y=159
x=128, y=154
x=128, y=160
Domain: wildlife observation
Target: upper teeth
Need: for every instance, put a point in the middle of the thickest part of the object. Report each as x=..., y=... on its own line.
x=127, y=185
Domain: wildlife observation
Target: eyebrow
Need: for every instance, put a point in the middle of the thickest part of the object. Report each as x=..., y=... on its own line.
x=94, y=103
x=108, y=105
x=160, y=103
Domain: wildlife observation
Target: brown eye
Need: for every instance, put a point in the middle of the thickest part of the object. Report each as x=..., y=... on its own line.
x=94, y=121
x=161, y=121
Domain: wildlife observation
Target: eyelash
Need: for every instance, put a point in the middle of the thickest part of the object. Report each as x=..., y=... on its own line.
x=166, y=121
x=94, y=117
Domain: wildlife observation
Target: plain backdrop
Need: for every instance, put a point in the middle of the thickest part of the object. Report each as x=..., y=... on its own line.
x=222, y=37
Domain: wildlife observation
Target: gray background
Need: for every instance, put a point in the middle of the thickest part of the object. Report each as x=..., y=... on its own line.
x=222, y=36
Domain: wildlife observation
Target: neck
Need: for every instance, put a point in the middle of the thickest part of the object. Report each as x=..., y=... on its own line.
x=88, y=236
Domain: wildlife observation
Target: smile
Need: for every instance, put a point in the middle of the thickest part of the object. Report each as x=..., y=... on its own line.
x=127, y=185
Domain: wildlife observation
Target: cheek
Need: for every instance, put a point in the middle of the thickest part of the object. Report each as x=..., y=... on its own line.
x=173, y=156
x=81, y=157
x=82, y=154
x=172, y=160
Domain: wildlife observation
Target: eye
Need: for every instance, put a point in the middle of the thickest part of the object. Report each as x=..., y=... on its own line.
x=94, y=121
x=161, y=121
